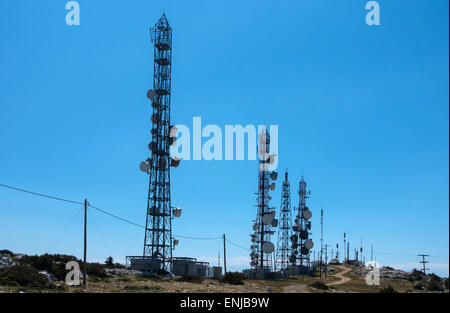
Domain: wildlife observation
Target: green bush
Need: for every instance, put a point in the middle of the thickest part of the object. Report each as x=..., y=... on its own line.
x=23, y=275
x=435, y=283
x=388, y=289
x=233, y=278
x=190, y=279
x=418, y=285
x=319, y=285
x=55, y=264
x=10, y=253
x=95, y=269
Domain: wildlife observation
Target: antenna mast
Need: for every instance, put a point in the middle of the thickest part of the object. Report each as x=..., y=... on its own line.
x=158, y=230
x=284, y=228
x=262, y=247
x=302, y=245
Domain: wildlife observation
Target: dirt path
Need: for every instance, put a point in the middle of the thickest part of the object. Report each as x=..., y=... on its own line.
x=340, y=275
x=295, y=289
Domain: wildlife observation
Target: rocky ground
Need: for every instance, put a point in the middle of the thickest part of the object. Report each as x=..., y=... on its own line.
x=101, y=279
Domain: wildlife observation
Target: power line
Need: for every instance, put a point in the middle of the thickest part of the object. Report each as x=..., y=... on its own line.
x=115, y=216
x=41, y=194
x=198, y=238
x=235, y=244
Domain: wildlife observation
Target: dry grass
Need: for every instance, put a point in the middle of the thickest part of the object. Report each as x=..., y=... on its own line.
x=130, y=283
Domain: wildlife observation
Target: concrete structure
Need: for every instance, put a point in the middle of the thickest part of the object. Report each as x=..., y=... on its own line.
x=217, y=272
x=145, y=264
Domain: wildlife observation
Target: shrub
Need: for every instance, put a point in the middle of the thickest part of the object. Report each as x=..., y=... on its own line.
x=415, y=275
x=23, y=275
x=10, y=253
x=190, y=279
x=418, y=285
x=319, y=285
x=435, y=283
x=95, y=269
x=388, y=289
x=233, y=278
x=55, y=264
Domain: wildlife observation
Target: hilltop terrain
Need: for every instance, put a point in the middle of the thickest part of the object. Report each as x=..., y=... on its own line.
x=46, y=273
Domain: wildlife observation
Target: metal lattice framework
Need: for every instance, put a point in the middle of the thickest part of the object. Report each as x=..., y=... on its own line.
x=263, y=228
x=302, y=228
x=158, y=230
x=284, y=228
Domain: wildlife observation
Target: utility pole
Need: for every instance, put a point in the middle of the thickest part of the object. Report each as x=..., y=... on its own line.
x=224, y=255
x=424, y=269
x=85, y=242
x=321, y=241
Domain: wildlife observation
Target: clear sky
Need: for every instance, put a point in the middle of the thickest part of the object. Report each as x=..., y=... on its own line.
x=363, y=111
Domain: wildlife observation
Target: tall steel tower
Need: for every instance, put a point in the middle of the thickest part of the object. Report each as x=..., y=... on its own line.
x=284, y=228
x=158, y=229
x=262, y=248
x=302, y=227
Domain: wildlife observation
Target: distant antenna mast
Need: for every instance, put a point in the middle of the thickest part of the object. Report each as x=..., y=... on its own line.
x=345, y=247
x=302, y=227
x=321, y=241
x=284, y=229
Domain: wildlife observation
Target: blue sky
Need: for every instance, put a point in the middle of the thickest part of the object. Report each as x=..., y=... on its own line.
x=363, y=111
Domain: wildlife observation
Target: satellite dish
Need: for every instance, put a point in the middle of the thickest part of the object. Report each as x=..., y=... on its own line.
x=154, y=118
x=173, y=131
x=144, y=167
x=274, y=222
x=151, y=94
x=274, y=175
x=304, y=251
x=172, y=141
x=303, y=235
x=268, y=247
x=309, y=244
x=272, y=186
x=177, y=212
x=175, y=162
x=307, y=214
x=294, y=238
x=271, y=159
x=152, y=146
x=267, y=219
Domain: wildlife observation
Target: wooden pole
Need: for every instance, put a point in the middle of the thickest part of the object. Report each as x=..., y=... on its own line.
x=85, y=242
x=224, y=254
